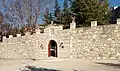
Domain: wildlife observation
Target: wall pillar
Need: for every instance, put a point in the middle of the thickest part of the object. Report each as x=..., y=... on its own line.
x=37, y=31
x=10, y=36
x=51, y=22
x=93, y=23
x=18, y=35
x=73, y=25
x=4, y=38
x=27, y=33
x=118, y=21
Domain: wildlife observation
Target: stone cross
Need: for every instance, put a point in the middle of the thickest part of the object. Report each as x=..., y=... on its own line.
x=51, y=22
x=73, y=19
x=73, y=24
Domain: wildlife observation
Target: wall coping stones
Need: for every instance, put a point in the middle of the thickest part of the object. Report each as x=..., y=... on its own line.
x=4, y=37
x=37, y=31
x=18, y=35
x=73, y=25
x=93, y=23
x=10, y=36
x=27, y=33
x=118, y=21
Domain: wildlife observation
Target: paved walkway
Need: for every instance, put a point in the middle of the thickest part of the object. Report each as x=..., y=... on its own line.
x=61, y=64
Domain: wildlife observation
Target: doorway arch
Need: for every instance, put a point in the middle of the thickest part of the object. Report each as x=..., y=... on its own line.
x=52, y=48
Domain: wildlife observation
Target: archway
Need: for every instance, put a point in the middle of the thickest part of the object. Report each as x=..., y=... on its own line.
x=52, y=48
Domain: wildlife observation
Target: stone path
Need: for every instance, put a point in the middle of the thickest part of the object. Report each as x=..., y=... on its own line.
x=62, y=65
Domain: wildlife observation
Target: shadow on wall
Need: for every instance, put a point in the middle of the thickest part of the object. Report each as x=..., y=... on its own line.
x=117, y=66
x=33, y=68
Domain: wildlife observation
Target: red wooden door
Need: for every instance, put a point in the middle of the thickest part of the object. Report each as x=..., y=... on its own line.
x=49, y=50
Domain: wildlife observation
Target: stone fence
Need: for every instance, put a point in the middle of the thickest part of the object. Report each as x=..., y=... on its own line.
x=95, y=42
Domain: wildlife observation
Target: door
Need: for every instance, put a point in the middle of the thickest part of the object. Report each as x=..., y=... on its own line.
x=52, y=48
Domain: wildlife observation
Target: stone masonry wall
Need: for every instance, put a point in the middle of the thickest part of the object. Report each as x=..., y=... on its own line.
x=35, y=46
x=24, y=47
x=63, y=37
x=98, y=42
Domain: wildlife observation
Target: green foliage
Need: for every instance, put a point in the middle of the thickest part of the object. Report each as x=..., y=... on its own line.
x=90, y=10
x=65, y=5
x=64, y=16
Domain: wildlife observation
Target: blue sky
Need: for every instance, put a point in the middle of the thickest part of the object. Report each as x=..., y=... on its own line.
x=114, y=2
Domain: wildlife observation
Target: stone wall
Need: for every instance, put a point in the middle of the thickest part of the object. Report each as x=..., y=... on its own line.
x=35, y=46
x=99, y=42
x=95, y=42
x=63, y=37
x=24, y=47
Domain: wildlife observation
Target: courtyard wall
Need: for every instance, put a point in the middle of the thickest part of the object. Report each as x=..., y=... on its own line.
x=98, y=42
x=95, y=42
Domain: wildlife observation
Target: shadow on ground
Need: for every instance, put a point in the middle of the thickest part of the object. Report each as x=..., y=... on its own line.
x=33, y=68
x=110, y=64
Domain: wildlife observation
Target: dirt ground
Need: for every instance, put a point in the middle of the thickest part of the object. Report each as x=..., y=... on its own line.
x=61, y=65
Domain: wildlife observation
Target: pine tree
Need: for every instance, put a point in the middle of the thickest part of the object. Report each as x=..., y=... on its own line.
x=65, y=5
x=50, y=17
x=66, y=17
x=90, y=10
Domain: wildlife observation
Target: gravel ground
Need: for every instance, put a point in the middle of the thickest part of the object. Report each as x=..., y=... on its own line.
x=61, y=64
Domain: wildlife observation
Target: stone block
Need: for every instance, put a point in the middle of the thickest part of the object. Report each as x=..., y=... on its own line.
x=51, y=22
x=27, y=33
x=61, y=27
x=93, y=23
x=72, y=25
x=90, y=57
x=98, y=58
x=118, y=21
x=83, y=57
x=4, y=37
x=112, y=58
x=37, y=31
x=18, y=35
x=71, y=56
x=104, y=58
x=10, y=36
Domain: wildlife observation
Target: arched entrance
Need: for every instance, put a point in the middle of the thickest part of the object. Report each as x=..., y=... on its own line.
x=52, y=48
